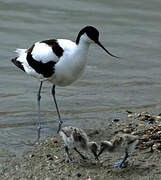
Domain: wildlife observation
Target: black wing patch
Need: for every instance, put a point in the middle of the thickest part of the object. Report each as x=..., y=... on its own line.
x=55, y=46
x=46, y=69
x=17, y=63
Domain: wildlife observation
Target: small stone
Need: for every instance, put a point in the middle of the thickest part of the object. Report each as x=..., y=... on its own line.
x=88, y=178
x=118, y=124
x=50, y=159
x=141, y=125
x=130, y=112
x=48, y=155
x=79, y=174
x=37, y=143
x=54, y=140
x=159, y=132
x=116, y=120
x=56, y=157
x=157, y=118
x=130, y=124
x=31, y=155
x=149, y=132
x=153, y=165
x=139, y=114
x=130, y=116
x=134, y=133
x=127, y=130
x=155, y=146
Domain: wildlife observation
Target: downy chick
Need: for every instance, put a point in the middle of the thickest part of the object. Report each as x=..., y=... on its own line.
x=119, y=143
x=77, y=138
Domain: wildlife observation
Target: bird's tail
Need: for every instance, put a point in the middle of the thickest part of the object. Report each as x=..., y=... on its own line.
x=20, y=51
x=17, y=63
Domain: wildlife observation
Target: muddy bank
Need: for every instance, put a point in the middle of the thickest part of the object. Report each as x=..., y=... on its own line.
x=47, y=160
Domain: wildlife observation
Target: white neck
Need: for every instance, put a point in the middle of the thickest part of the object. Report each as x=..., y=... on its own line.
x=82, y=48
x=80, y=56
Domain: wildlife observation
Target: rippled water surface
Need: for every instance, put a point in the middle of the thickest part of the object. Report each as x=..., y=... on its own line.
x=129, y=29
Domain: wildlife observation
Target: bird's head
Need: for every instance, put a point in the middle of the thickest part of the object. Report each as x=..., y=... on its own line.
x=90, y=34
x=105, y=146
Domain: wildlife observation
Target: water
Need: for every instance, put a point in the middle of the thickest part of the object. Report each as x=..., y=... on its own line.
x=129, y=29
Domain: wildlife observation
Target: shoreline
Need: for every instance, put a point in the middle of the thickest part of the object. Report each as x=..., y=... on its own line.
x=47, y=159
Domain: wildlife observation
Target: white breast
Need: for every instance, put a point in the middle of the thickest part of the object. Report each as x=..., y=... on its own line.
x=71, y=64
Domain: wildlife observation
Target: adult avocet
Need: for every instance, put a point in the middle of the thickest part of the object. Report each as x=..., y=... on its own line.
x=59, y=61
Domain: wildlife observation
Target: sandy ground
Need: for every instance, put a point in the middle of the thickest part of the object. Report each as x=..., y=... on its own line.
x=47, y=160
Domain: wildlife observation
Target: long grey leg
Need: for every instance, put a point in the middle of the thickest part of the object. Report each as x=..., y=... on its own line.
x=81, y=155
x=38, y=104
x=121, y=163
x=68, y=154
x=60, y=120
x=125, y=157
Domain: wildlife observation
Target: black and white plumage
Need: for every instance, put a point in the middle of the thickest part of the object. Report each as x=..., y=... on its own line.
x=119, y=143
x=77, y=138
x=59, y=61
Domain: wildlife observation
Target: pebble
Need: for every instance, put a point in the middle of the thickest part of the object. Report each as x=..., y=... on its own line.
x=149, y=132
x=118, y=124
x=116, y=120
x=130, y=116
x=141, y=125
x=31, y=155
x=89, y=178
x=127, y=130
x=134, y=133
x=155, y=146
x=54, y=140
x=79, y=174
x=130, y=112
x=157, y=118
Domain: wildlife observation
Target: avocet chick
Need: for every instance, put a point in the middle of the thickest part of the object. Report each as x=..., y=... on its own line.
x=75, y=137
x=120, y=143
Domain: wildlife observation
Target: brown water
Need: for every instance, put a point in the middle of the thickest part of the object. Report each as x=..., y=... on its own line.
x=129, y=29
